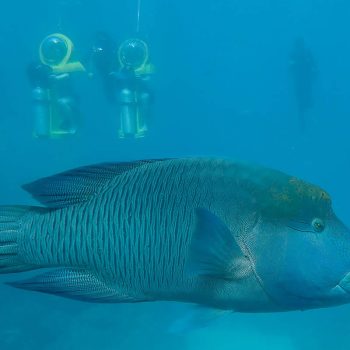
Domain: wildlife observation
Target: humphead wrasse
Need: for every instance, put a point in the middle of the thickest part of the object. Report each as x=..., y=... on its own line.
x=207, y=231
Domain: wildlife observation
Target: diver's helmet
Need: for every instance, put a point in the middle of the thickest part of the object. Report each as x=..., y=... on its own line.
x=56, y=51
x=133, y=54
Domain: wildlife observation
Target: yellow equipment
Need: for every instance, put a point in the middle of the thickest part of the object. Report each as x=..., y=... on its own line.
x=54, y=114
x=56, y=51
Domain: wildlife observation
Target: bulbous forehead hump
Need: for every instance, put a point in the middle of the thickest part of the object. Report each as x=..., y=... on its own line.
x=288, y=196
x=309, y=191
x=280, y=195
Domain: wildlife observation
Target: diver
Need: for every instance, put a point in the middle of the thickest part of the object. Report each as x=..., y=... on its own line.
x=55, y=101
x=127, y=82
x=304, y=72
x=135, y=95
x=102, y=58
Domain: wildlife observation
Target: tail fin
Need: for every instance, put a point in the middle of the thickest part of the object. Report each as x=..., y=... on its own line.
x=10, y=229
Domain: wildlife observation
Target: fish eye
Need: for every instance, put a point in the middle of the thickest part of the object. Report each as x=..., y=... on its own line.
x=318, y=225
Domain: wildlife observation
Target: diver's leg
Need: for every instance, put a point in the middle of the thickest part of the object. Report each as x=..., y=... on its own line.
x=41, y=109
x=68, y=113
x=127, y=113
x=143, y=113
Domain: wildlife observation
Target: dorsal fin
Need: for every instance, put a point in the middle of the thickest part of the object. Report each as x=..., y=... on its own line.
x=78, y=185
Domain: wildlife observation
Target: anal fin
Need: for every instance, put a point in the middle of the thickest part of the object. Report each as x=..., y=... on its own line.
x=79, y=284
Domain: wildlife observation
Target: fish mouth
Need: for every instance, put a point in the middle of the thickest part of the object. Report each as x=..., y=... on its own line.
x=344, y=283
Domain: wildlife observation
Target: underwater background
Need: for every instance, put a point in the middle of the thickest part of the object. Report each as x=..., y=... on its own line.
x=222, y=88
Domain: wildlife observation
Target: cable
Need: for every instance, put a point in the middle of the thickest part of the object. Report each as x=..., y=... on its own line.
x=138, y=16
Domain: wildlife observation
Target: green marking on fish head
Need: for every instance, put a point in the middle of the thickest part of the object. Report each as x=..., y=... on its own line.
x=289, y=196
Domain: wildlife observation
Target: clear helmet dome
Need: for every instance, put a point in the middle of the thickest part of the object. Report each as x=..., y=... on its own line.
x=54, y=50
x=133, y=53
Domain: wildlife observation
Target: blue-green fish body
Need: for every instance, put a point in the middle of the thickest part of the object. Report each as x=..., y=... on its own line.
x=206, y=231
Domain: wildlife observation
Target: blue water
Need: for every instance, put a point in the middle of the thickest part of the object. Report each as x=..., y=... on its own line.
x=222, y=89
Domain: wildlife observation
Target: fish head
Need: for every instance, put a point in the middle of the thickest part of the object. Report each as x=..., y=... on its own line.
x=300, y=250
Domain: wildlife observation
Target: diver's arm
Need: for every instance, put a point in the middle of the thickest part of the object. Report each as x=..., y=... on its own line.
x=58, y=77
x=39, y=74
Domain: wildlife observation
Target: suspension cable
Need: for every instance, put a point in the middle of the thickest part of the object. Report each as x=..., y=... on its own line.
x=138, y=16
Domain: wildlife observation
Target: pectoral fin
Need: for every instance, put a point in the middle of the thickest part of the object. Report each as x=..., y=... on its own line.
x=214, y=251
x=77, y=284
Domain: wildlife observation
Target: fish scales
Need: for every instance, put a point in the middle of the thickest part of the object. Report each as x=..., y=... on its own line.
x=162, y=192
x=141, y=227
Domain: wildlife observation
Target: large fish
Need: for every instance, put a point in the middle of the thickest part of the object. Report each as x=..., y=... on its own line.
x=206, y=231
